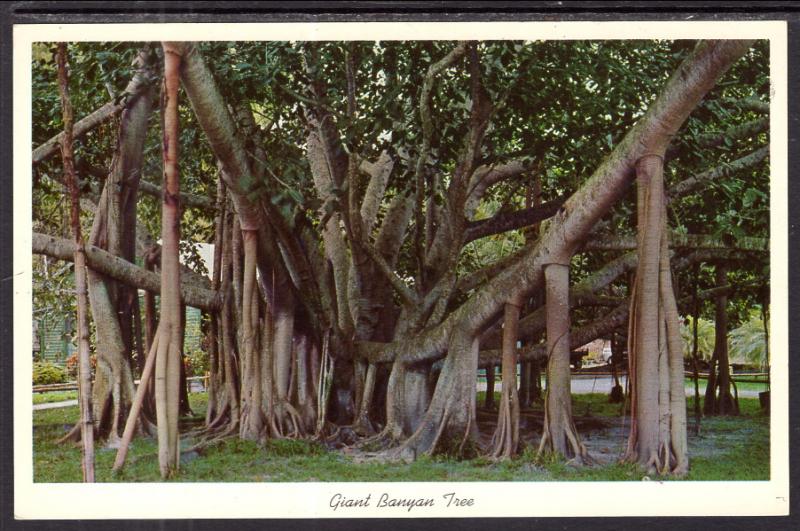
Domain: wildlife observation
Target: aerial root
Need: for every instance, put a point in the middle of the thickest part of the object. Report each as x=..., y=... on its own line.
x=581, y=455
x=285, y=422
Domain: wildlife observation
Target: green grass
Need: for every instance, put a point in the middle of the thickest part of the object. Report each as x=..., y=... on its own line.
x=729, y=448
x=741, y=386
x=54, y=396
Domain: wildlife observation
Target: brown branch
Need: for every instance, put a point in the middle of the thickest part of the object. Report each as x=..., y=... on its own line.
x=488, y=175
x=383, y=266
x=506, y=221
x=427, y=135
x=124, y=271
x=734, y=132
x=688, y=185
x=677, y=241
x=106, y=112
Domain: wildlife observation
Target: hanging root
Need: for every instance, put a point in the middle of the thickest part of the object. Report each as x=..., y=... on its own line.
x=572, y=448
x=285, y=422
x=390, y=436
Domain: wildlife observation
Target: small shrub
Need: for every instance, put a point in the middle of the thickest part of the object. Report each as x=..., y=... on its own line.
x=72, y=365
x=47, y=373
x=196, y=363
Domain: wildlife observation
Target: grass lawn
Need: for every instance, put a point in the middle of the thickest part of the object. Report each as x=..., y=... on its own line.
x=54, y=396
x=732, y=448
x=741, y=386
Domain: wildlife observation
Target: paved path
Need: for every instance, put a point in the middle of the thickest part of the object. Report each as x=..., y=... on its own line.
x=54, y=405
x=580, y=385
x=586, y=384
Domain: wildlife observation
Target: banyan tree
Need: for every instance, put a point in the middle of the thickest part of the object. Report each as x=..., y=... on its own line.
x=388, y=219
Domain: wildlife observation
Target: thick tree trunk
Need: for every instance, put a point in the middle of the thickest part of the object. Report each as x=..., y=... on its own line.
x=559, y=434
x=113, y=388
x=215, y=365
x=252, y=421
x=449, y=425
x=658, y=404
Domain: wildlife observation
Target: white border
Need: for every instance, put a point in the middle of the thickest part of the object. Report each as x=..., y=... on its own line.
x=311, y=500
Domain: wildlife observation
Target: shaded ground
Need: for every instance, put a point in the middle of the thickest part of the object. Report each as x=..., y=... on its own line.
x=731, y=448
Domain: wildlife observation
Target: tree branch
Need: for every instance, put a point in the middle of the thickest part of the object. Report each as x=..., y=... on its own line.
x=135, y=87
x=488, y=175
x=506, y=221
x=677, y=241
x=735, y=132
x=124, y=271
x=559, y=240
x=688, y=185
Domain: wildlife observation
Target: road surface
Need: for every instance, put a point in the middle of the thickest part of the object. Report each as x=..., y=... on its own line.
x=581, y=385
x=586, y=384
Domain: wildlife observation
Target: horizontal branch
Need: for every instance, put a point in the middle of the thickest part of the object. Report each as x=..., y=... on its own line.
x=126, y=272
x=87, y=123
x=51, y=147
x=688, y=185
x=506, y=221
x=151, y=189
x=752, y=104
x=187, y=199
x=678, y=241
x=488, y=175
x=735, y=132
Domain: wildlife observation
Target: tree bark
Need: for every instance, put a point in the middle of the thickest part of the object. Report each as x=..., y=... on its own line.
x=84, y=365
x=124, y=271
x=86, y=124
x=252, y=420
x=505, y=442
x=559, y=434
x=657, y=438
x=169, y=349
x=724, y=403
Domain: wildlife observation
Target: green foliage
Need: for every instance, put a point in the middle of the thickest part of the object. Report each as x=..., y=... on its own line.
x=747, y=342
x=562, y=105
x=705, y=338
x=47, y=373
x=196, y=362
